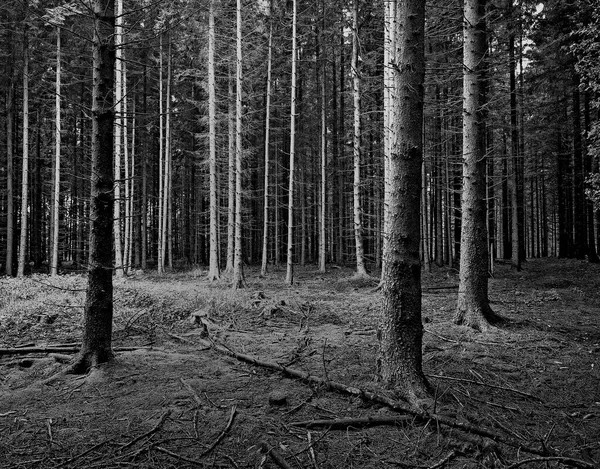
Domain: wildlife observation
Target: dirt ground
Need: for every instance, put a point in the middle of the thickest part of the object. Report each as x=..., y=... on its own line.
x=172, y=402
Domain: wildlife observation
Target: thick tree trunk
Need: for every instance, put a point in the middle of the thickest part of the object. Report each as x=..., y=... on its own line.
x=400, y=329
x=231, y=183
x=98, y=313
x=10, y=189
x=473, y=307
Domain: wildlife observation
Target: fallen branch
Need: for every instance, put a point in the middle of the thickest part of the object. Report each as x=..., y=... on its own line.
x=275, y=456
x=564, y=460
x=359, y=422
x=223, y=433
x=375, y=398
x=192, y=392
x=179, y=456
x=154, y=429
x=481, y=383
x=59, y=349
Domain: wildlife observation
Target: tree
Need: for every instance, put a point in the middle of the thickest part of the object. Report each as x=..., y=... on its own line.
x=289, y=277
x=57, y=143
x=98, y=312
x=25, y=170
x=401, y=330
x=473, y=307
x=361, y=270
x=238, y=266
x=213, y=266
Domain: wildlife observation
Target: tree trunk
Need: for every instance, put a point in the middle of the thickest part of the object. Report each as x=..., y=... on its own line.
x=118, y=135
x=231, y=183
x=514, y=155
x=57, y=143
x=289, y=277
x=323, y=188
x=361, y=270
x=25, y=171
x=473, y=307
x=10, y=189
x=98, y=312
x=213, y=263
x=265, y=246
x=238, y=266
x=400, y=330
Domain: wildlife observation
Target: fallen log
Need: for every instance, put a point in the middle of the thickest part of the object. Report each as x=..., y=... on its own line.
x=58, y=349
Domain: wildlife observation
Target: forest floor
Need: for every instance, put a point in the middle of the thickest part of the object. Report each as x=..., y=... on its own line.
x=175, y=402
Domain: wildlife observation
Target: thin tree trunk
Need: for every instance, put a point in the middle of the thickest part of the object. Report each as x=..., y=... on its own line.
x=400, y=329
x=166, y=214
x=161, y=158
x=10, y=189
x=323, y=188
x=289, y=277
x=118, y=136
x=514, y=154
x=361, y=270
x=128, y=176
x=213, y=263
x=57, y=143
x=25, y=171
x=231, y=183
x=238, y=266
x=265, y=247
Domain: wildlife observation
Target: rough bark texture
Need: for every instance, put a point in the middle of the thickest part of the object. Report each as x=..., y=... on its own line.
x=98, y=314
x=401, y=331
x=473, y=305
x=213, y=264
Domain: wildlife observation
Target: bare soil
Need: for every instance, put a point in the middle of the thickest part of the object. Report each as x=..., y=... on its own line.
x=173, y=402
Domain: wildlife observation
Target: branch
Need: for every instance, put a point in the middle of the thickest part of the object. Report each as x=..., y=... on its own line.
x=59, y=349
x=358, y=422
x=375, y=398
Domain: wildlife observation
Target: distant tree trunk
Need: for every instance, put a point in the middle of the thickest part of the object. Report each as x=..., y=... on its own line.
x=98, y=312
x=238, y=266
x=57, y=143
x=579, y=212
x=514, y=155
x=166, y=206
x=213, y=263
x=231, y=183
x=118, y=135
x=127, y=244
x=161, y=157
x=25, y=171
x=473, y=307
x=361, y=270
x=10, y=189
x=590, y=166
x=265, y=247
x=144, y=165
x=323, y=191
x=289, y=278
x=400, y=329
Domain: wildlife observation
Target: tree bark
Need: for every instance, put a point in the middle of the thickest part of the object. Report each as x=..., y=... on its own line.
x=238, y=266
x=265, y=247
x=98, y=312
x=25, y=171
x=361, y=270
x=57, y=144
x=213, y=263
x=289, y=277
x=473, y=307
x=118, y=136
x=400, y=329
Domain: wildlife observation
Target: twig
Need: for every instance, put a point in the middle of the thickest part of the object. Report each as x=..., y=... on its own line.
x=376, y=398
x=179, y=456
x=442, y=337
x=223, y=433
x=275, y=456
x=85, y=453
x=192, y=392
x=481, y=383
x=568, y=461
x=311, y=450
x=358, y=422
x=154, y=429
x=442, y=462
